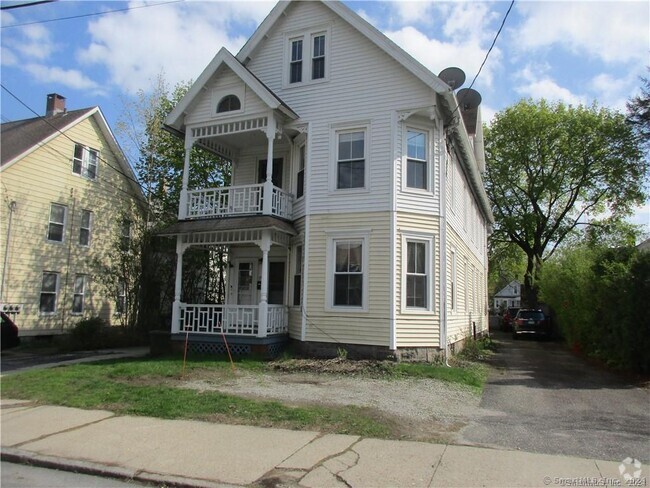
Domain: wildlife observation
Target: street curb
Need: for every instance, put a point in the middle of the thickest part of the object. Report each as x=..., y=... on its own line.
x=19, y=456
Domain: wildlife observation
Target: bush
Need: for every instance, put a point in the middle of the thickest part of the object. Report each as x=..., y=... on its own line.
x=96, y=333
x=599, y=300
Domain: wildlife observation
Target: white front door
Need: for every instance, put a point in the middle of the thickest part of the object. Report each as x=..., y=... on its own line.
x=246, y=283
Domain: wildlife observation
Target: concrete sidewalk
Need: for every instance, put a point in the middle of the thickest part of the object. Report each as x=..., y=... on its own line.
x=201, y=454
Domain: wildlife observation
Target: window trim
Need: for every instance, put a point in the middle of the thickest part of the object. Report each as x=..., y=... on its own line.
x=428, y=161
x=334, y=237
x=64, y=224
x=335, y=131
x=230, y=96
x=301, y=166
x=121, y=297
x=89, y=228
x=314, y=57
x=221, y=93
x=306, y=36
x=429, y=241
x=298, y=264
x=84, y=162
x=56, y=291
x=82, y=294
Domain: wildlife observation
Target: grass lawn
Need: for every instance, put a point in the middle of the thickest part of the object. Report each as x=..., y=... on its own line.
x=150, y=387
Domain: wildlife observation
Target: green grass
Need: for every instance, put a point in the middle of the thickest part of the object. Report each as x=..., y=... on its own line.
x=138, y=387
x=152, y=387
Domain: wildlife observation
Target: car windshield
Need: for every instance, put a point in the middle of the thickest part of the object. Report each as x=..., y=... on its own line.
x=531, y=314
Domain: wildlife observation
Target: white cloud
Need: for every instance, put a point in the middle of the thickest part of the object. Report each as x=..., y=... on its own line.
x=437, y=55
x=536, y=84
x=411, y=11
x=8, y=58
x=610, y=31
x=181, y=39
x=70, y=78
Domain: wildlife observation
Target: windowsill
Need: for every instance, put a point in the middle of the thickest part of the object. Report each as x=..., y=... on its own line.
x=47, y=314
x=58, y=243
x=349, y=191
x=417, y=311
x=417, y=191
x=306, y=83
x=84, y=177
x=333, y=308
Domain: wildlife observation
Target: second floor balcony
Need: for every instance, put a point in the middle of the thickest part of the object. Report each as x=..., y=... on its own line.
x=238, y=201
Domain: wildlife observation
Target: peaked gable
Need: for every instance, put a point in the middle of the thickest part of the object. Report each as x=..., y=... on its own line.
x=224, y=57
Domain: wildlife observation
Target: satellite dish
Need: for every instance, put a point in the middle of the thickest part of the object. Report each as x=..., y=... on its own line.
x=454, y=77
x=468, y=99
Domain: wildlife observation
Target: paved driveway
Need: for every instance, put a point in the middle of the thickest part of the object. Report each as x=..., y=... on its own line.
x=542, y=398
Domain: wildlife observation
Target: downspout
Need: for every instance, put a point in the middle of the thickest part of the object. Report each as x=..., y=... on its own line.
x=12, y=208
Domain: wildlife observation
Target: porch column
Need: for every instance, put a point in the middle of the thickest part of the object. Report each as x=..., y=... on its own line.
x=265, y=246
x=182, y=207
x=268, y=184
x=176, y=309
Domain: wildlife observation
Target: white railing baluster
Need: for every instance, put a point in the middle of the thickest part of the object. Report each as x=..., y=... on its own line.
x=236, y=200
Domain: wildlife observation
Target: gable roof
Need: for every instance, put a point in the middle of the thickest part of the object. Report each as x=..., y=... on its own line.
x=22, y=137
x=409, y=63
x=224, y=57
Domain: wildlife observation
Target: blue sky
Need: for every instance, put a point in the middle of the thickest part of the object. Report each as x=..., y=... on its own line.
x=574, y=51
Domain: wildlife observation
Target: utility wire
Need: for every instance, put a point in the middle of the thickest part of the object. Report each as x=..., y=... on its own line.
x=89, y=15
x=29, y=4
x=486, y=55
x=44, y=119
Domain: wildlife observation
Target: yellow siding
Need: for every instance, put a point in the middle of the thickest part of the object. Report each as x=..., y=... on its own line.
x=471, y=300
x=371, y=327
x=44, y=177
x=417, y=329
x=295, y=313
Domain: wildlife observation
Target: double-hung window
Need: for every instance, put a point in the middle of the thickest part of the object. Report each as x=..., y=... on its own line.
x=79, y=293
x=348, y=273
x=351, y=159
x=85, y=227
x=417, y=274
x=85, y=161
x=416, y=160
x=318, y=57
x=56, y=226
x=49, y=291
x=295, y=64
x=125, y=234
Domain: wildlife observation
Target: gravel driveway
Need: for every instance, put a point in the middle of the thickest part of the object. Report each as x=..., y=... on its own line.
x=419, y=409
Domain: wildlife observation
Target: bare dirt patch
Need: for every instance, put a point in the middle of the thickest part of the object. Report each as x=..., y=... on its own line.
x=415, y=408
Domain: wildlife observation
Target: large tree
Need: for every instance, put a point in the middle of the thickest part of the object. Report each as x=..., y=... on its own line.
x=552, y=168
x=638, y=112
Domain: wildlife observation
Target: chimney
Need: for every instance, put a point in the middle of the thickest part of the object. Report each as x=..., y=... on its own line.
x=55, y=104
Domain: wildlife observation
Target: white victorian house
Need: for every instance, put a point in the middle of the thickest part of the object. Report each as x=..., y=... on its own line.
x=357, y=218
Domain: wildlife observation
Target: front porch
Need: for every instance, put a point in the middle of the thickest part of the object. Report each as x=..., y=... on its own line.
x=234, y=320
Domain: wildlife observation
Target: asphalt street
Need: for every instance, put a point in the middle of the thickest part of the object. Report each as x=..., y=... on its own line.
x=25, y=476
x=542, y=398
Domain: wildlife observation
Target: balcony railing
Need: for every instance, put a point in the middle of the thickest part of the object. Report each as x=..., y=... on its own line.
x=236, y=200
x=241, y=320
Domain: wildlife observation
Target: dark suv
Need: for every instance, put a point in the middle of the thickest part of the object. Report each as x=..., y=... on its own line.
x=529, y=321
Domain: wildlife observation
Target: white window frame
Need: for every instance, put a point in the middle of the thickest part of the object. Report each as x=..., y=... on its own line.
x=126, y=238
x=307, y=38
x=466, y=269
x=429, y=189
x=335, y=131
x=314, y=57
x=219, y=94
x=429, y=241
x=298, y=262
x=62, y=224
x=84, y=162
x=82, y=294
x=49, y=292
x=334, y=237
x=89, y=228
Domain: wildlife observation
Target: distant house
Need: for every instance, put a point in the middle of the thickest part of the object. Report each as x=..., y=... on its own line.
x=65, y=187
x=508, y=296
x=357, y=216
x=644, y=246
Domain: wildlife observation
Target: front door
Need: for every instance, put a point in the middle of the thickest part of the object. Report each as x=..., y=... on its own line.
x=276, y=282
x=245, y=283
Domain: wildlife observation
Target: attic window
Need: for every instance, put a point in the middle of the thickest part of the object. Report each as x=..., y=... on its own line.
x=229, y=103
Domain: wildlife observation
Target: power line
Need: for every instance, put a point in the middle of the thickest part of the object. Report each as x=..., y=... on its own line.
x=29, y=4
x=503, y=22
x=44, y=119
x=89, y=15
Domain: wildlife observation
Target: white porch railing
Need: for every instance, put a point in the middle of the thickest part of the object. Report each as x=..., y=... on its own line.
x=241, y=320
x=236, y=200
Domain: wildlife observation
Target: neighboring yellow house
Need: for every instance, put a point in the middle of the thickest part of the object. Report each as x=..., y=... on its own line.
x=66, y=187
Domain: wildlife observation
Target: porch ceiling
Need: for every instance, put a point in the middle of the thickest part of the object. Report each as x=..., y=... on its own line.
x=231, y=230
